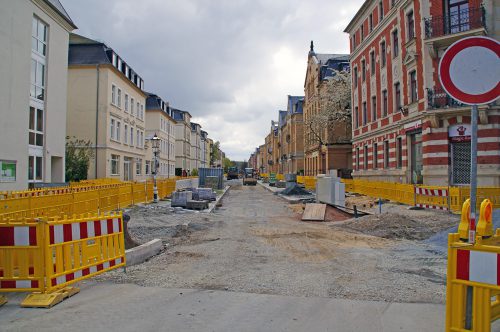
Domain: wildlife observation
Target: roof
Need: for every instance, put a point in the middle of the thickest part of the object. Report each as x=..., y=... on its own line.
x=359, y=13
x=282, y=118
x=87, y=51
x=58, y=7
x=178, y=114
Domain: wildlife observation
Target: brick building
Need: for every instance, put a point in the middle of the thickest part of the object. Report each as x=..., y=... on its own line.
x=333, y=154
x=406, y=129
x=291, y=135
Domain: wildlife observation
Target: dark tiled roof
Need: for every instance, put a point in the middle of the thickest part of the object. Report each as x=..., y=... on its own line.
x=292, y=101
x=88, y=54
x=58, y=7
x=282, y=118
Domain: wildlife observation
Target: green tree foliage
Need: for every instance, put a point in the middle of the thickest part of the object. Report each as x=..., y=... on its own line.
x=214, y=154
x=194, y=172
x=79, y=153
x=227, y=163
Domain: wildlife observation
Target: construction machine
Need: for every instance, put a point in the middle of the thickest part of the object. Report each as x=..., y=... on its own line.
x=249, y=177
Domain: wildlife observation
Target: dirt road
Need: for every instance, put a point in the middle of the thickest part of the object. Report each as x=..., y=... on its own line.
x=255, y=243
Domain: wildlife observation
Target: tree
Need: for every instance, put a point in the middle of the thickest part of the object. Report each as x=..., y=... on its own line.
x=332, y=124
x=79, y=153
x=214, y=154
x=227, y=163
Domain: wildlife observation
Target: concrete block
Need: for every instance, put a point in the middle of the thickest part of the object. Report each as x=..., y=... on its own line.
x=197, y=205
x=290, y=177
x=140, y=254
x=206, y=194
x=180, y=198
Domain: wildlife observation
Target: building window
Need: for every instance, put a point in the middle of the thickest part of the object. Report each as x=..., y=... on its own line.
x=370, y=22
x=113, y=94
x=365, y=157
x=148, y=167
x=132, y=106
x=35, y=168
x=138, y=166
x=8, y=171
x=115, y=162
x=372, y=62
x=399, y=149
x=142, y=112
x=363, y=70
x=357, y=159
x=384, y=103
x=37, y=89
x=362, y=32
x=354, y=41
x=374, y=108
x=131, y=136
x=383, y=54
x=381, y=10
x=395, y=43
x=36, y=127
x=119, y=99
x=411, y=25
x=355, y=79
x=118, y=130
x=138, y=109
x=113, y=128
x=413, y=86
x=125, y=137
x=138, y=139
x=386, y=154
x=365, y=114
x=39, y=37
x=375, y=156
x=397, y=96
x=356, y=116
x=126, y=102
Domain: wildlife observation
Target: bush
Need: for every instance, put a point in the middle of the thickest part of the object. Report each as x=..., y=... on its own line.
x=194, y=172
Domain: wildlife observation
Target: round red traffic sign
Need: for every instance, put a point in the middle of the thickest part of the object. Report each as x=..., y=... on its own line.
x=469, y=70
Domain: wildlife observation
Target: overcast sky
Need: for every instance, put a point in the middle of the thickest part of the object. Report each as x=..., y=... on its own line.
x=230, y=63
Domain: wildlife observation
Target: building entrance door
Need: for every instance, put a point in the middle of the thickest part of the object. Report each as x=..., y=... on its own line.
x=416, y=164
x=127, y=169
x=460, y=163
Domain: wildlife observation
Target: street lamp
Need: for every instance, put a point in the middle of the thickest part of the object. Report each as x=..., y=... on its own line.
x=155, y=144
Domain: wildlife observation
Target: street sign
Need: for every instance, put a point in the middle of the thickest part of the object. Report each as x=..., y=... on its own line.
x=469, y=70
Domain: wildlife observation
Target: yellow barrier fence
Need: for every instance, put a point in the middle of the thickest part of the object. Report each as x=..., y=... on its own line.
x=47, y=256
x=473, y=275
x=76, y=200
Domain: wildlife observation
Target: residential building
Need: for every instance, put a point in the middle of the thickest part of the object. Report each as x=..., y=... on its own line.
x=261, y=158
x=195, y=146
x=326, y=145
x=407, y=129
x=106, y=107
x=182, y=141
x=159, y=122
x=292, y=137
x=34, y=36
x=210, y=143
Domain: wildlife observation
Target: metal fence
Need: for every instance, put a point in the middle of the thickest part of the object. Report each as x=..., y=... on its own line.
x=203, y=173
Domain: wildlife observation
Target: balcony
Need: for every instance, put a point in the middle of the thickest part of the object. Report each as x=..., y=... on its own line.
x=442, y=31
x=461, y=21
x=438, y=98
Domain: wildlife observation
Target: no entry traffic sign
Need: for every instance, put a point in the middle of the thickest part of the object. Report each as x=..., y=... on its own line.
x=469, y=70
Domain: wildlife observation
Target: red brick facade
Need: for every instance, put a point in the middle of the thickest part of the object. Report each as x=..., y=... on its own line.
x=415, y=137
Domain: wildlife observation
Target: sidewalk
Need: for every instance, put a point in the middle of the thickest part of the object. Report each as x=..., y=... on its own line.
x=126, y=307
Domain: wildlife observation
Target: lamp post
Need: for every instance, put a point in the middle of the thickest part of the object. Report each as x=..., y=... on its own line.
x=155, y=144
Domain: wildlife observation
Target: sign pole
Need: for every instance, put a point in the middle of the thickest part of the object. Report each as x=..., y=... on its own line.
x=473, y=174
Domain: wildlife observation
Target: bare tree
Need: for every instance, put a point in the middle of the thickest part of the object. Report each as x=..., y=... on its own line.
x=332, y=123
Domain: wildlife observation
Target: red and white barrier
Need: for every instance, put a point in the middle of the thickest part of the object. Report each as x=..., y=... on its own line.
x=430, y=193
x=83, y=230
x=478, y=266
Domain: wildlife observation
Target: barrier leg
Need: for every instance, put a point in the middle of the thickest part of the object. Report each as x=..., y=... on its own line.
x=48, y=300
x=3, y=300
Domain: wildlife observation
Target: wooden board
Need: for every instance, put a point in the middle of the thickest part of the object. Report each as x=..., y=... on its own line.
x=314, y=212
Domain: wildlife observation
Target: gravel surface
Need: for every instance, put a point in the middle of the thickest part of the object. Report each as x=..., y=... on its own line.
x=255, y=243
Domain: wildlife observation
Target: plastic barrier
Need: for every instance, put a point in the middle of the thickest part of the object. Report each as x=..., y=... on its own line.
x=431, y=198
x=310, y=182
x=474, y=273
x=48, y=256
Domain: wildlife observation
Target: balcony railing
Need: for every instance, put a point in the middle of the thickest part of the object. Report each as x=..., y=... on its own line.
x=438, y=98
x=460, y=21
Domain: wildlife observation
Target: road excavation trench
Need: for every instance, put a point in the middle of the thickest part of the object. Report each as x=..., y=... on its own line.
x=255, y=242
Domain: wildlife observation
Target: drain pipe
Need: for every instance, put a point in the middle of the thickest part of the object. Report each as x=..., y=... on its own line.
x=96, y=118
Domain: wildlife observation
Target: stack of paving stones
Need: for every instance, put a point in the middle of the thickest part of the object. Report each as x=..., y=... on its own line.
x=180, y=198
x=194, y=199
x=280, y=184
